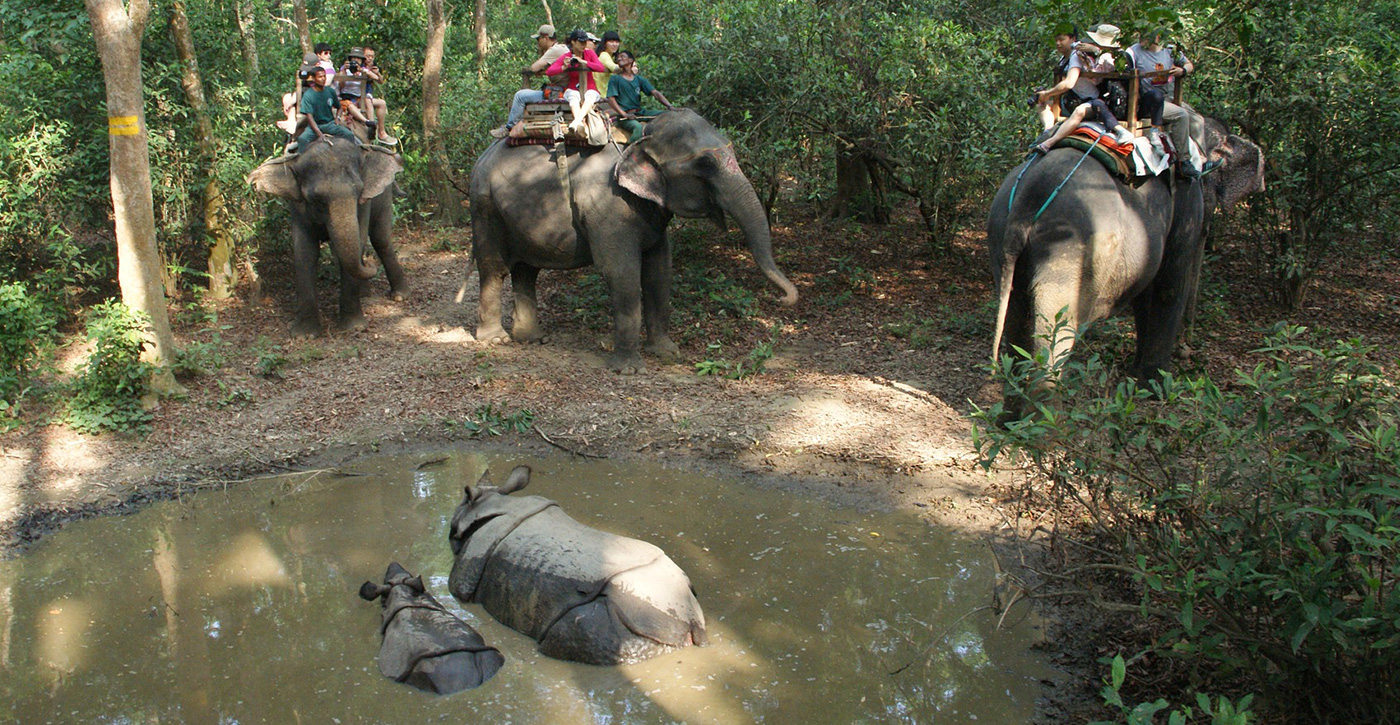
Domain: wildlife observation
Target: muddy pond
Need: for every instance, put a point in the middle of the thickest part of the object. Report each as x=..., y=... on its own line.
x=240, y=606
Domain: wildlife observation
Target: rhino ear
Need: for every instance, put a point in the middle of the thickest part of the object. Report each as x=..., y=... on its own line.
x=276, y=177
x=519, y=478
x=369, y=591
x=639, y=173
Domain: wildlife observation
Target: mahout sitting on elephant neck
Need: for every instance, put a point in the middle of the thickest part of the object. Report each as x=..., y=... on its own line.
x=582, y=594
x=425, y=645
x=343, y=194
x=612, y=214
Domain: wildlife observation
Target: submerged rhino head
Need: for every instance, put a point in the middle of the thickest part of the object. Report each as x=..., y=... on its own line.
x=483, y=502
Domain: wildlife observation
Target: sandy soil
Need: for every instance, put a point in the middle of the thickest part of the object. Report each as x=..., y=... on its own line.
x=864, y=400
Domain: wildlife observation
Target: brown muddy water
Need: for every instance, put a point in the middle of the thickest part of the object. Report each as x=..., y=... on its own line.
x=240, y=606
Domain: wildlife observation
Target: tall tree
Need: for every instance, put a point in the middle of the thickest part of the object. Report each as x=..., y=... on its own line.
x=479, y=25
x=243, y=13
x=449, y=206
x=223, y=277
x=118, y=32
x=303, y=24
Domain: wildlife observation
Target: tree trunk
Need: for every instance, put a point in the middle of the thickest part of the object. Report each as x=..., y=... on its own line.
x=223, y=277
x=449, y=206
x=118, y=38
x=548, y=16
x=479, y=25
x=303, y=24
x=243, y=12
x=859, y=191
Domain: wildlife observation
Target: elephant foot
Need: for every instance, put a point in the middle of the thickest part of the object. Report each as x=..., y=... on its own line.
x=351, y=324
x=663, y=348
x=527, y=335
x=400, y=294
x=626, y=364
x=493, y=335
x=302, y=329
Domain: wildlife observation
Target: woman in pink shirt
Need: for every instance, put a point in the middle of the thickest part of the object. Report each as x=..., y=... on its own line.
x=581, y=91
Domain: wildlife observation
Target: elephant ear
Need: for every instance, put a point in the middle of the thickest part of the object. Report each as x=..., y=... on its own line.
x=378, y=168
x=639, y=173
x=277, y=177
x=1242, y=172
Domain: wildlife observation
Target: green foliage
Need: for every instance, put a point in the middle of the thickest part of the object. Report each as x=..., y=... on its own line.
x=270, y=359
x=488, y=420
x=1220, y=712
x=107, y=392
x=24, y=328
x=1258, y=521
x=750, y=366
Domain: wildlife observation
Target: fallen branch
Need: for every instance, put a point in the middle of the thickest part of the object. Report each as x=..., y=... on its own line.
x=565, y=448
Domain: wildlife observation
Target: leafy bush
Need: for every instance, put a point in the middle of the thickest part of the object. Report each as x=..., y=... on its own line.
x=1256, y=523
x=107, y=393
x=23, y=328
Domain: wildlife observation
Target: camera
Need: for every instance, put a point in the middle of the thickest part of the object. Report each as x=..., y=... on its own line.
x=1034, y=99
x=354, y=67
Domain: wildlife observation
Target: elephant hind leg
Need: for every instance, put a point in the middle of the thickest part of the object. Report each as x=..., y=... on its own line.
x=525, y=326
x=488, y=236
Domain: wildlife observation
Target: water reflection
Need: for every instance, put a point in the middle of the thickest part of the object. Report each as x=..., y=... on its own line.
x=241, y=607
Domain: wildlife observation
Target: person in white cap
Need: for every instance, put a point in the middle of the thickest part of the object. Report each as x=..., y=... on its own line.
x=1076, y=86
x=550, y=51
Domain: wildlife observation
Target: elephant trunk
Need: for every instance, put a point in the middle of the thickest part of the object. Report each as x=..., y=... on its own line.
x=344, y=228
x=736, y=196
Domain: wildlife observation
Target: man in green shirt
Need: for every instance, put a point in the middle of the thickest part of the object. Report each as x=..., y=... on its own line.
x=625, y=91
x=319, y=103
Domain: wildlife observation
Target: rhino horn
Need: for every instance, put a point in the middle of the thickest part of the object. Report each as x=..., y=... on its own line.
x=519, y=478
x=369, y=591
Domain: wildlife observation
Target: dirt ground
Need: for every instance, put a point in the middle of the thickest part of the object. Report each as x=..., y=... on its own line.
x=864, y=400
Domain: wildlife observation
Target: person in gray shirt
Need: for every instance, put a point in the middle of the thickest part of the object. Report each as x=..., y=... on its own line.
x=1159, y=68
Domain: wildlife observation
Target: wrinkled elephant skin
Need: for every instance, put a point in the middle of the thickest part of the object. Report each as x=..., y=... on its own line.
x=425, y=645
x=344, y=194
x=613, y=215
x=582, y=594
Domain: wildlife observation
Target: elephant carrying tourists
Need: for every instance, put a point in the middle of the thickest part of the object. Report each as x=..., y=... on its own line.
x=1072, y=241
x=536, y=208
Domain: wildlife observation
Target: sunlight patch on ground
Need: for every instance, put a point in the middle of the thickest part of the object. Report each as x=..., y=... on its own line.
x=250, y=562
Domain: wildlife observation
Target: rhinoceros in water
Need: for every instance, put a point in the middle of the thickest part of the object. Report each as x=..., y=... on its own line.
x=582, y=594
x=425, y=645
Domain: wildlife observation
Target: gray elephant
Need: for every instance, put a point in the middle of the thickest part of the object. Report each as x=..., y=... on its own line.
x=1102, y=245
x=612, y=213
x=344, y=194
x=582, y=594
x=425, y=645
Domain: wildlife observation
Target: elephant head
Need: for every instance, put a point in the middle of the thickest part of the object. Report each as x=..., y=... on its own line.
x=1241, y=171
x=688, y=167
x=330, y=183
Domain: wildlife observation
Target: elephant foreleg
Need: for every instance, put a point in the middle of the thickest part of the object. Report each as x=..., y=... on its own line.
x=306, y=248
x=656, y=302
x=352, y=316
x=381, y=225
x=1159, y=313
x=525, y=326
x=624, y=289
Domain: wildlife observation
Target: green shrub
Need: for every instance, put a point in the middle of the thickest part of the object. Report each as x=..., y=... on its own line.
x=107, y=393
x=23, y=328
x=1257, y=523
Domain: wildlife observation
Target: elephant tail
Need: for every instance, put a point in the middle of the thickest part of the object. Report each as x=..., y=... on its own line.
x=1008, y=270
x=1013, y=240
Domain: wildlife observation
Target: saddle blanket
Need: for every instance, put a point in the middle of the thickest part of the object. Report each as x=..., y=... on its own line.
x=1143, y=157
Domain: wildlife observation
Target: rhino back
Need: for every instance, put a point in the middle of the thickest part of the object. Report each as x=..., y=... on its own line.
x=551, y=564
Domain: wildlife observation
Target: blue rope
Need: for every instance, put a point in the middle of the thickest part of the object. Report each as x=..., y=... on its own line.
x=1025, y=168
x=1054, y=193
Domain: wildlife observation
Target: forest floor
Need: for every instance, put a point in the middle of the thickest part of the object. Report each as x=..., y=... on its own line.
x=864, y=399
